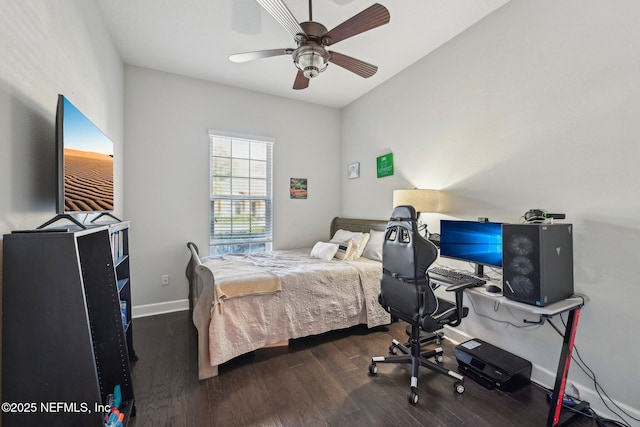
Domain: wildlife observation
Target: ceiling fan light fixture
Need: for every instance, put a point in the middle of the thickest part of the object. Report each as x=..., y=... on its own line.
x=311, y=60
x=312, y=38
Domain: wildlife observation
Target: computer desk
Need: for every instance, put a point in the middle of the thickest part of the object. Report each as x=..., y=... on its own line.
x=572, y=305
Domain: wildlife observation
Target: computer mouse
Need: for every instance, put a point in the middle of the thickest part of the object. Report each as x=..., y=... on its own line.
x=493, y=289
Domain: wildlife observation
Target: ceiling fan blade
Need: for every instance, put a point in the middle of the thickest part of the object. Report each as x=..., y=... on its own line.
x=283, y=15
x=260, y=54
x=366, y=20
x=301, y=81
x=354, y=65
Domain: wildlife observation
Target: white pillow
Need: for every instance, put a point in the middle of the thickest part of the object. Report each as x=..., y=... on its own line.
x=324, y=250
x=343, y=235
x=373, y=250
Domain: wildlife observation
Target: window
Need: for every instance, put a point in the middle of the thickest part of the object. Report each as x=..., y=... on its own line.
x=241, y=195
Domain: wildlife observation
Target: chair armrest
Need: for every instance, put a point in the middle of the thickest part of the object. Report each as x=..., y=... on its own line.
x=460, y=286
x=459, y=290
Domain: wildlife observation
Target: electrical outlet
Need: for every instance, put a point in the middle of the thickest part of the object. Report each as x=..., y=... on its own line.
x=165, y=279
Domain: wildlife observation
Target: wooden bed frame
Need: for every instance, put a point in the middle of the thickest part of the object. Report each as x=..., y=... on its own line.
x=361, y=225
x=197, y=274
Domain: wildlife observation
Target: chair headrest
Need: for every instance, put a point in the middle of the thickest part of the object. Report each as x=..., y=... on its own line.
x=404, y=213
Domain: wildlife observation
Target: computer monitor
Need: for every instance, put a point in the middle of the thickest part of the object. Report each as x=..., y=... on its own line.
x=472, y=241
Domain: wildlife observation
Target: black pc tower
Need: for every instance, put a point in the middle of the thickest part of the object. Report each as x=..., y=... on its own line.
x=537, y=262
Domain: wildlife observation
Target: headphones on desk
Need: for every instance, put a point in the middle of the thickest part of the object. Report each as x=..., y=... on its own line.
x=540, y=215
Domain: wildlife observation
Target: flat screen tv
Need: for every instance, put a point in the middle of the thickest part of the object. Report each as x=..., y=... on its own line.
x=473, y=241
x=84, y=163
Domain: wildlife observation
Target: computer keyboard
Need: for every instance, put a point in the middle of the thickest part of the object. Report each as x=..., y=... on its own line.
x=453, y=277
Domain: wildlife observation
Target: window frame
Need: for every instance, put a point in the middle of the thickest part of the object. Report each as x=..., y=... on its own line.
x=243, y=243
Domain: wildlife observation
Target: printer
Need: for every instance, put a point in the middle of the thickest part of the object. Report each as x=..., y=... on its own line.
x=491, y=366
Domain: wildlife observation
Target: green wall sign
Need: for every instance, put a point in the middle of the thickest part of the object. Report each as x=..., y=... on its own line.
x=385, y=165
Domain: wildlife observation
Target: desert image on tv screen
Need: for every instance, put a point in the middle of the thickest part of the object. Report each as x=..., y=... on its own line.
x=88, y=164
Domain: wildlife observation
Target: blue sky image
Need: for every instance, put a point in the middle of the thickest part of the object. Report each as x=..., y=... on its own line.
x=81, y=134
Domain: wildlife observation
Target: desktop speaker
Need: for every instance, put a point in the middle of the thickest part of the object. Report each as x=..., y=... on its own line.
x=537, y=262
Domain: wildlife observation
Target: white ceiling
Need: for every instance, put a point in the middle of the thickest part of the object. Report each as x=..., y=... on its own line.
x=194, y=38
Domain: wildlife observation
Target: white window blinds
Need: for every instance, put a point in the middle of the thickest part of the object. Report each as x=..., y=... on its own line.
x=241, y=193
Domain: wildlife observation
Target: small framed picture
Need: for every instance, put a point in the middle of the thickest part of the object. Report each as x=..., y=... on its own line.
x=298, y=188
x=354, y=170
x=385, y=165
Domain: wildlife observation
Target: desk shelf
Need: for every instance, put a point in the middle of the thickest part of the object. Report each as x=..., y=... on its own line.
x=558, y=307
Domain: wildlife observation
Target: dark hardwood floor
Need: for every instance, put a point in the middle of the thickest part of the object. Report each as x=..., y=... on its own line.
x=316, y=381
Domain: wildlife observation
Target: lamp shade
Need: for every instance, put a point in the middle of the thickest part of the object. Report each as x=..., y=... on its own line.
x=422, y=200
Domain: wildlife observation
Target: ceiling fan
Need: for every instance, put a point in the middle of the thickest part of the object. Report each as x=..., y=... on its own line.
x=312, y=38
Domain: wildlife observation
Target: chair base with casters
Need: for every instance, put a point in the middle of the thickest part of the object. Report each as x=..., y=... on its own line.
x=417, y=359
x=425, y=338
x=416, y=356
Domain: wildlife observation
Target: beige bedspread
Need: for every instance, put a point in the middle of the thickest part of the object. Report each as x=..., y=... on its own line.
x=317, y=296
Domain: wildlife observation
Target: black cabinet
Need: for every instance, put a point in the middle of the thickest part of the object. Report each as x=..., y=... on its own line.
x=65, y=344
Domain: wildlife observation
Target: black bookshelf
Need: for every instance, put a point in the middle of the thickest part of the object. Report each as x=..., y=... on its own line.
x=65, y=344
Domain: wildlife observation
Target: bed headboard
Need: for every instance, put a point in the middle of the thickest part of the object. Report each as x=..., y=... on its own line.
x=361, y=225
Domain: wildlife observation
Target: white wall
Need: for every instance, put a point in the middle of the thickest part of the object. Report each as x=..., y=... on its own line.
x=167, y=165
x=49, y=48
x=536, y=106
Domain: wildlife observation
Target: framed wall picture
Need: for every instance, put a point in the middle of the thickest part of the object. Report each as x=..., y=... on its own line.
x=354, y=170
x=385, y=165
x=298, y=188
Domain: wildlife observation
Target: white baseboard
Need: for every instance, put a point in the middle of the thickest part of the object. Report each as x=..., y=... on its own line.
x=455, y=335
x=159, y=308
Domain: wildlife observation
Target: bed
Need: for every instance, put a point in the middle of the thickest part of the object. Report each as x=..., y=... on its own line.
x=241, y=303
